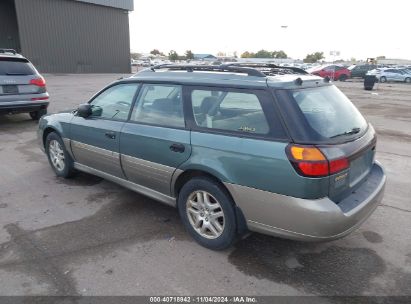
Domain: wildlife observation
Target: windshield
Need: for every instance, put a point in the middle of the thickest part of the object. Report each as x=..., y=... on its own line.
x=328, y=115
x=15, y=67
x=315, y=68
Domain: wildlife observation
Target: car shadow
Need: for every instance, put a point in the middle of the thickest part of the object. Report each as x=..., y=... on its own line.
x=17, y=123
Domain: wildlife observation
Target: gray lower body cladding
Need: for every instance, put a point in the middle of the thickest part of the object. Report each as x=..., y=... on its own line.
x=306, y=219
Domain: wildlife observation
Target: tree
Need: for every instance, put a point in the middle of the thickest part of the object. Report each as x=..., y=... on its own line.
x=247, y=54
x=135, y=56
x=172, y=55
x=155, y=52
x=380, y=57
x=314, y=57
x=263, y=54
x=189, y=54
x=279, y=54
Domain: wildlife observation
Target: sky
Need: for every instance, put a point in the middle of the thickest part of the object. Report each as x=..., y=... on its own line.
x=356, y=28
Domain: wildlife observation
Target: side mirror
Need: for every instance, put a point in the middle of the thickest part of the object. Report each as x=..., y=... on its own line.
x=84, y=110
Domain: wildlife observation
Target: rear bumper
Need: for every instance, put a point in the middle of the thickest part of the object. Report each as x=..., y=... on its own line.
x=309, y=220
x=22, y=106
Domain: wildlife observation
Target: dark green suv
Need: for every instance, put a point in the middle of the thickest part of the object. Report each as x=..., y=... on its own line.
x=235, y=148
x=361, y=70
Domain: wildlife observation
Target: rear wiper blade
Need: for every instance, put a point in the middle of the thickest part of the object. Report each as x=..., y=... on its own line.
x=353, y=131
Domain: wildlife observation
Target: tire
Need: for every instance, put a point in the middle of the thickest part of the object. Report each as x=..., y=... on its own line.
x=383, y=79
x=343, y=77
x=408, y=80
x=59, y=159
x=36, y=115
x=198, y=216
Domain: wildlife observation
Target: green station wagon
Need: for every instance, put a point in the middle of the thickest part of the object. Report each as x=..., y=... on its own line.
x=236, y=148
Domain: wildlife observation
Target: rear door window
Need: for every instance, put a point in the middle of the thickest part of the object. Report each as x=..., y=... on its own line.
x=16, y=67
x=160, y=104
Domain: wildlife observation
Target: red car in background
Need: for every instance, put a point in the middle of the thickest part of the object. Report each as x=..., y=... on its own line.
x=334, y=72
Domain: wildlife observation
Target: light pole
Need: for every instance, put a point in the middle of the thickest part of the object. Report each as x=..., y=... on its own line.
x=284, y=27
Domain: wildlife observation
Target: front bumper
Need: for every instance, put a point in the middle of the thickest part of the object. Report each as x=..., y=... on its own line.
x=305, y=219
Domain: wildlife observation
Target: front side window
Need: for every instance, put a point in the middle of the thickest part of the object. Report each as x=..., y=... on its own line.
x=115, y=102
x=159, y=104
x=330, y=68
x=229, y=110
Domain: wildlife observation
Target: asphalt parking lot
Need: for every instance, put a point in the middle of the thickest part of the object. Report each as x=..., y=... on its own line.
x=87, y=236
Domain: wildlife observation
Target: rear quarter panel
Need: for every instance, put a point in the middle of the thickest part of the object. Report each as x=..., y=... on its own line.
x=255, y=163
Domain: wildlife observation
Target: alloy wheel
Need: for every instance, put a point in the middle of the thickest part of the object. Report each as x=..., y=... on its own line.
x=56, y=154
x=205, y=214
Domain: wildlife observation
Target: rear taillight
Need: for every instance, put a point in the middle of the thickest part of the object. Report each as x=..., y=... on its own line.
x=310, y=161
x=338, y=165
x=40, y=82
x=40, y=98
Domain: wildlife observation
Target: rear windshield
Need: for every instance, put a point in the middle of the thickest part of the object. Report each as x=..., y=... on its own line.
x=324, y=115
x=16, y=66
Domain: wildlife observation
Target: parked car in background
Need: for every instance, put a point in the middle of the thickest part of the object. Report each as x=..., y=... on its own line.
x=361, y=70
x=390, y=74
x=215, y=143
x=135, y=62
x=22, y=88
x=334, y=72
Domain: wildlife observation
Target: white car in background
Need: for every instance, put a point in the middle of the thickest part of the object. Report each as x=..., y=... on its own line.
x=390, y=74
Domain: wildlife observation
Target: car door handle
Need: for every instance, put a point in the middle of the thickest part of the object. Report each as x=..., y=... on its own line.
x=110, y=135
x=177, y=148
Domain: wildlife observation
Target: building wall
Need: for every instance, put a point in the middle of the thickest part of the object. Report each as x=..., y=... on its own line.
x=9, y=34
x=66, y=36
x=394, y=61
x=124, y=4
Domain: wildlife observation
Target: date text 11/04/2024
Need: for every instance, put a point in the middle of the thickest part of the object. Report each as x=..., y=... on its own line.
x=203, y=299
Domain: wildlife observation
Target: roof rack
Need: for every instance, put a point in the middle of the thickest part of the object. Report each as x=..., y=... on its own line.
x=11, y=51
x=210, y=68
x=270, y=69
x=251, y=69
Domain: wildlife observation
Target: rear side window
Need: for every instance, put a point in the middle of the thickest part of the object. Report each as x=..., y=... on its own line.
x=16, y=66
x=322, y=114
x=160, y=105
x=229, y=110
